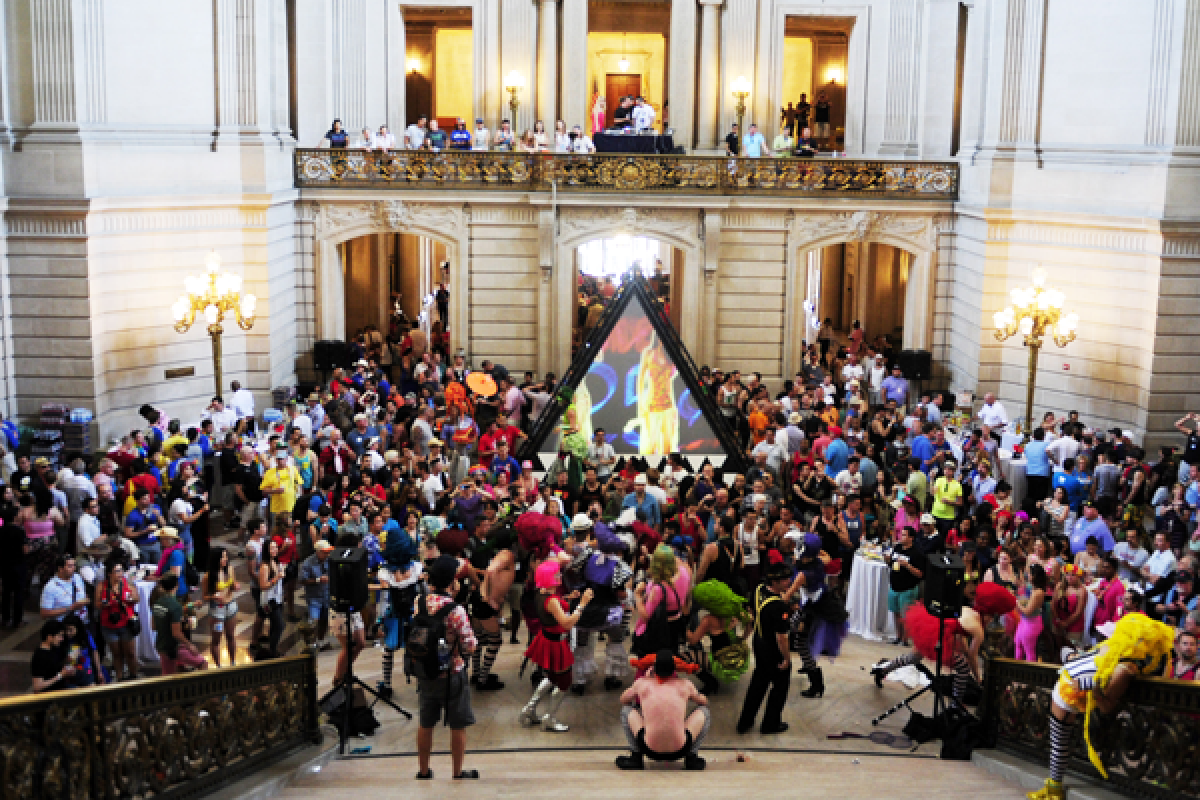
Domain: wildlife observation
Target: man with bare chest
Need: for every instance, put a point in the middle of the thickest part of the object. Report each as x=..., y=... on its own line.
x=493, y=568
x=655, y=719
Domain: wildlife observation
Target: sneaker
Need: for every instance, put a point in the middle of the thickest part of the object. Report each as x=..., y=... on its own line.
x=692, y=761
x=491, y=684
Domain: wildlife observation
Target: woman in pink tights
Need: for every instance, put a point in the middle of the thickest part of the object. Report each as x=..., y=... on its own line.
x=1030, y=600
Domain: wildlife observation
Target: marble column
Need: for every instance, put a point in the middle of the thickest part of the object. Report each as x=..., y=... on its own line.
x=547, y=63
x=397, y=70
x=707, y=135
x=681, y=75
x=903, y=78
x=518, y=21
x=575, y=97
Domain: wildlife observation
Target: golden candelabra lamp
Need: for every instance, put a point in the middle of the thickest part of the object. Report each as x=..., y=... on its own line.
x=1036, y=311
x=514, y=83
x=741, y=90
x=213, y=295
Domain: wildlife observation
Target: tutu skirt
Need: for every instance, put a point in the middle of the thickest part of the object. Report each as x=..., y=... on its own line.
x=550, y=656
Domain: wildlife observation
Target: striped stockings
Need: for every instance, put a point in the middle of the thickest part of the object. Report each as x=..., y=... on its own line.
x=1060, y=738
x=489, y=643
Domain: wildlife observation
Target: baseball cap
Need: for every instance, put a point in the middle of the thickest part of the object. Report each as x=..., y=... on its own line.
x=640, y=480
x=794, y=419
x=581, y=522
x=479, y=120
x=435, y=443
x=41, y=461
x=927, y=519
x=322, y=546
x=835, y=430
x=359, y=416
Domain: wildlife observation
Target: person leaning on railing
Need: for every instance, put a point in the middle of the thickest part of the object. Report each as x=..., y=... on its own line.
x=49, y=666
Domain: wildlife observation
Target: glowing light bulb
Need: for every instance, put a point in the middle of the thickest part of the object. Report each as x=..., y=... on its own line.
x=249, y=304
x=212, y=314
x=1026, y=326
x=213, y=261
x=1039, y=277
x=179, y=309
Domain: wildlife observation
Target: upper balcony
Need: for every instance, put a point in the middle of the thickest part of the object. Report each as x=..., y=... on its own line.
x=666, y=174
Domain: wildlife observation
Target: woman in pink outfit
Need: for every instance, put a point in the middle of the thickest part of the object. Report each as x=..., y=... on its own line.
x=597, y=113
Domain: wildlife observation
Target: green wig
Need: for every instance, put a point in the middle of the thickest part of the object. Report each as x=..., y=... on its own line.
x=718, y=599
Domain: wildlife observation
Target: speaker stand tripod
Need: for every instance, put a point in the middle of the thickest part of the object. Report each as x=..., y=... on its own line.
x=351, y=681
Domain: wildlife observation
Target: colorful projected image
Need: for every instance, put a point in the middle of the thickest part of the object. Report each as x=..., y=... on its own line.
x=634, y=392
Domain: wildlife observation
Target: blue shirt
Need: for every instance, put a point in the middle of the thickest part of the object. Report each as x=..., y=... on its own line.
x=507, y=464
x=1097, y=528
x=1076, y=493
x=895, y=389
x=11, y=434
x=1036, y=462
x=358, y=439
x=837, y=455
x=648, y=506
x=178, y=559
x=753, y=144
x=460, y=140
x=922, y=448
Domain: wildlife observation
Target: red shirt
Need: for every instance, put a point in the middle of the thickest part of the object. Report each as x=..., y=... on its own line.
x=1110, y=597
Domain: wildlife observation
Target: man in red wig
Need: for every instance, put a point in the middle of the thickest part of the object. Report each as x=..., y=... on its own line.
x=962, y=639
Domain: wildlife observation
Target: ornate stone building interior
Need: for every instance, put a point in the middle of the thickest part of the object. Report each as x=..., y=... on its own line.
x=974, y=141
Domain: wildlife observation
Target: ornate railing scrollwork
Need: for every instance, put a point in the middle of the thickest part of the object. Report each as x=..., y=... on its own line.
x=1150, y=746
x=174, y=737
x=706, y=175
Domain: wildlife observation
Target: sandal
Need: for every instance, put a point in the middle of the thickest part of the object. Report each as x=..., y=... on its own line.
x=467, y=774
x=428, y=776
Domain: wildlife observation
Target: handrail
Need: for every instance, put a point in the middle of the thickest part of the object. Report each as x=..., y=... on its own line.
x=703, y=175
x=173, y=737
x=1150, y=745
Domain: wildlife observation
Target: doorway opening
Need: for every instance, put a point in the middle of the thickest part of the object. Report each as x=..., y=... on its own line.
x=395, y=284
x=865, y=282
x=600, y=267
x=440, y=58
x=627, y=54
x=815, y=50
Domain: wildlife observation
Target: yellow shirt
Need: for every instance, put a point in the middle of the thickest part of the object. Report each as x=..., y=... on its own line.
x=945, y=492
x=287, y=479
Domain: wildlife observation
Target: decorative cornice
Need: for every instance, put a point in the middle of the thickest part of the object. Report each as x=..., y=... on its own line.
x=21, y=225
x=682, y=226
x=1073, y=236
x=863, y=226
x=389, y=215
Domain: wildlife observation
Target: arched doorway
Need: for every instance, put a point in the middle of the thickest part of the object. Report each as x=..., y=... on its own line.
x=600, y=266
x=884, y=285
x=393, y=283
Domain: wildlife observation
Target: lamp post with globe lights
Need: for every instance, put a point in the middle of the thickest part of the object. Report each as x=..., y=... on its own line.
x=1035, y=312
x=213, y=295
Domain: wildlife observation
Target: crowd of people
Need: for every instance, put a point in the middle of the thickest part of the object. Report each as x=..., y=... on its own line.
x=426, y=134
x=705, y=573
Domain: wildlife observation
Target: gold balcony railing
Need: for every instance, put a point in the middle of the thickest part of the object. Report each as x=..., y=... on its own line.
x=704, y=175
x=172, y=737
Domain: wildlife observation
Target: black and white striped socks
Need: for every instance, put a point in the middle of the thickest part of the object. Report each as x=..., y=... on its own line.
x=1060, y=739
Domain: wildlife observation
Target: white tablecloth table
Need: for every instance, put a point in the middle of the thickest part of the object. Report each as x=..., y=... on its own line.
x=866, y=600
x=1013, y=471
x=145, y=642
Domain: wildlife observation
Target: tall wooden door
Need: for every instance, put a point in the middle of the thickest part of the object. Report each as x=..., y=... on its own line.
x=617, y=86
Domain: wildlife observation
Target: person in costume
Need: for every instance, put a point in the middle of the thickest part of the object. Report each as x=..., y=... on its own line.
x=654, y=714
x=599, y=565
x=772, y=659
x=819, y=623
x=494, y=566
x=575, y=428
x=551, y=649
x=657, y=414
x=1098, y=681
x=961, y=640
x=399, y=575
x=728, y=656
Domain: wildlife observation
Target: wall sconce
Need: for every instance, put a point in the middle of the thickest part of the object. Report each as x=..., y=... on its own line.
x=414, y=65
x=834, y=75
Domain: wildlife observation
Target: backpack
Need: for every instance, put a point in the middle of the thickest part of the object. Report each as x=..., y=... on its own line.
x=659, y=633
x=423, y=656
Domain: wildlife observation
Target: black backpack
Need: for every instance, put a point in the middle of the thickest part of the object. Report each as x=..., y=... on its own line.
x=659, y=633
x=427, y=632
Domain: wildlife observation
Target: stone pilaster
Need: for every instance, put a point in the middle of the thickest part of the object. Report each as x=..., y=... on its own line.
x=1020, y=101
x=681, y=78
x=708, y=94
x=903, y=74
x=519, y=26
x=547, y=62
x=397, y=70
x=575, y=95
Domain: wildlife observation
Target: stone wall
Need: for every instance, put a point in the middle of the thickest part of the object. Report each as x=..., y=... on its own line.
x=504, y=281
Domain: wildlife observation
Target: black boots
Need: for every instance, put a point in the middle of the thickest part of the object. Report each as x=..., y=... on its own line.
x=632, y=761
x=817, y=685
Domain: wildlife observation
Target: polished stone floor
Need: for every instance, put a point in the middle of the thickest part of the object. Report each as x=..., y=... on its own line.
x=851, y=700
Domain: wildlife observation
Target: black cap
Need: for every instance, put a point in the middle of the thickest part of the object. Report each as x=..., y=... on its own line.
x=442, y=571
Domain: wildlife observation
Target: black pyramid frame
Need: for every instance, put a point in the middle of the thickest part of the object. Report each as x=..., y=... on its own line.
x=633, y=287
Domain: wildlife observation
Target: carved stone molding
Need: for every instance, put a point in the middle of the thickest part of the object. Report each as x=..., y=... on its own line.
x=864, y=226
x=388, y=215
x=682, y=226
